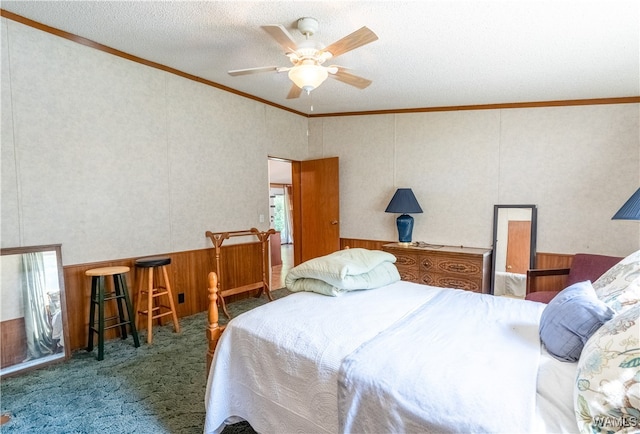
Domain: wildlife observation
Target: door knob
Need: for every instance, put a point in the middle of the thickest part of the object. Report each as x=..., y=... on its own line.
x=334, y=222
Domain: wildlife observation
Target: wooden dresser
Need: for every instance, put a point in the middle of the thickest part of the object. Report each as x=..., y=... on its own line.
x=445, y=266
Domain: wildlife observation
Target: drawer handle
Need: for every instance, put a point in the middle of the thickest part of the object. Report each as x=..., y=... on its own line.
x=457, y=267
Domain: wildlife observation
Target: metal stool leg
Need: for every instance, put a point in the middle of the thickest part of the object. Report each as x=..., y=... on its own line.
x=92, y=311
x=101, y=317
x=118, y=288
x=127, y=301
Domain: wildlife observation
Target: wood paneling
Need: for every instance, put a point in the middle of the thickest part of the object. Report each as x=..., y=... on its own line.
x=241, y=264
x=552, y=260
x=14, y=338
x=187, y=274
x=365, y=244
x=275, y=245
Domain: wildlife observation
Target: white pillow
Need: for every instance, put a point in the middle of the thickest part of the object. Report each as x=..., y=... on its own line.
x=619, y=287
x=607, y=387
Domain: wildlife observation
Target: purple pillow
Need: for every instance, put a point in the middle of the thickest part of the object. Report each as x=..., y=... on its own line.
x=570, y=319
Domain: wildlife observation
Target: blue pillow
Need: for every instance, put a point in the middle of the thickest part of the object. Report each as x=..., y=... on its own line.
x=570, y=319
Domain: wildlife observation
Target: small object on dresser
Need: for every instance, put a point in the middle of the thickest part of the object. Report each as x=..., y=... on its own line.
x=423, y=244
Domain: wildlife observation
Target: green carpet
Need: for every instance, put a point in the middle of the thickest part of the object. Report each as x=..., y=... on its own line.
x=155, y=388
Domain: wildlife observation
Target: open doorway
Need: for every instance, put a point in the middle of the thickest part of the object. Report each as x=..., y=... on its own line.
x=280, y=219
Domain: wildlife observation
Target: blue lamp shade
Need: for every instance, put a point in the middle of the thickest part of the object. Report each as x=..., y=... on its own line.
x=630, y=210
x=404, y=202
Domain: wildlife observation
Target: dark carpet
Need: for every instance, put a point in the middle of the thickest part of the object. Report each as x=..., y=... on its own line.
x=156, y=388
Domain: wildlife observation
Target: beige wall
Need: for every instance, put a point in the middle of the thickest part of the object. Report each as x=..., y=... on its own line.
x=113, y=159
x=578, y=164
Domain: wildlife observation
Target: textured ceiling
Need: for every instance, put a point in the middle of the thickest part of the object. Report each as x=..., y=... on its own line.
x=429, y=53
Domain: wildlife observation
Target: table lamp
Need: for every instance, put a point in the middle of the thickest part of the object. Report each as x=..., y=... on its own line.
x=404, y=202
x=631, y=209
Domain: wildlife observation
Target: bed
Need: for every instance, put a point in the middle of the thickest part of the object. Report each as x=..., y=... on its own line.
x=400, y=357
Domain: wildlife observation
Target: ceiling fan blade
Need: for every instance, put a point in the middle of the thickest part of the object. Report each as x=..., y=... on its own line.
x=350, y=42
x=282, y=37
x=294, y=92
x=351, y=79
x=246, y=71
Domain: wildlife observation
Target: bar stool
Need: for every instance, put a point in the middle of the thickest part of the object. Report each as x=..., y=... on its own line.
x=98, y=298
x=155, y=309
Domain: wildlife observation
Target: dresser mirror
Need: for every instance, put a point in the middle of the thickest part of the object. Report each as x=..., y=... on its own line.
x=33, y=317
x=514, y=248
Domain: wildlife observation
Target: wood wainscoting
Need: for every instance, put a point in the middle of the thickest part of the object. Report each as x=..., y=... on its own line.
x=14, y=336
x=241, y=264
x=365, y=244
x=552, y=260
x=188, y=276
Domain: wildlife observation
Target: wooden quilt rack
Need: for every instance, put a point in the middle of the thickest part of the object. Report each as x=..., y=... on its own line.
x=217, y=238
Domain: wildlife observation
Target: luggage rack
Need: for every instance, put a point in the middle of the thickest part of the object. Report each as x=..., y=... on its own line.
x=217, y=238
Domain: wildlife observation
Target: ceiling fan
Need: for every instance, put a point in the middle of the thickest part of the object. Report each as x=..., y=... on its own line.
x=307, y=57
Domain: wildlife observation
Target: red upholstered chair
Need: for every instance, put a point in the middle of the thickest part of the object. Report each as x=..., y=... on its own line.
x=585, y=266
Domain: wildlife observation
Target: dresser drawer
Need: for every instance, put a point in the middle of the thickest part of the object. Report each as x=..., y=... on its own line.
x=406, y=260
x=408, y=274
x=407, y=265
x=451, y=281
x=468, y=267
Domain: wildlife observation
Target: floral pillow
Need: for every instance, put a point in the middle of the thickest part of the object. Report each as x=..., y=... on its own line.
x=619, y=287
x=607, y=393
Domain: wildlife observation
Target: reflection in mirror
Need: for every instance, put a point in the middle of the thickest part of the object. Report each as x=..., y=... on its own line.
x=514, y=248
x=33, y=318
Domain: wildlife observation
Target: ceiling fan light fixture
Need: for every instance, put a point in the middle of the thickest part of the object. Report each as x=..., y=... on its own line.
x=308, y=56
x=308, y=76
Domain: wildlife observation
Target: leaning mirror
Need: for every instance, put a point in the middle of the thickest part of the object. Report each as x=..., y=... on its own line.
x=33, y=317
x=514, y=248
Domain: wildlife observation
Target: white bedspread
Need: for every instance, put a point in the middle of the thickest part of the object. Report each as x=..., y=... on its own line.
x=473, y=367
x=278, y=365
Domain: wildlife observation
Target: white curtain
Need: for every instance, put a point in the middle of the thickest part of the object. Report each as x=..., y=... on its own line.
x=36, y=318
x=286, y=236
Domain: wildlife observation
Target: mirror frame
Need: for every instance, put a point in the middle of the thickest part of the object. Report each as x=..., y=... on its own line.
x=532, y=244
x=64, y=355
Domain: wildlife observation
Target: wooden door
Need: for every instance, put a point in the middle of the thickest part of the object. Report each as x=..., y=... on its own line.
x=316, y=198
x=518, y=246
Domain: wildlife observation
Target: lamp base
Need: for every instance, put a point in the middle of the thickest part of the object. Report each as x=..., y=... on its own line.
x=405, y=228
x=404, y=244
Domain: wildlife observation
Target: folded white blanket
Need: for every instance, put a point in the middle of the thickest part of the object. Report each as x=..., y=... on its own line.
x=344, y=270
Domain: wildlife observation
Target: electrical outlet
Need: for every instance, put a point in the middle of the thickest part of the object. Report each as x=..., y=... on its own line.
x=181, y=297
